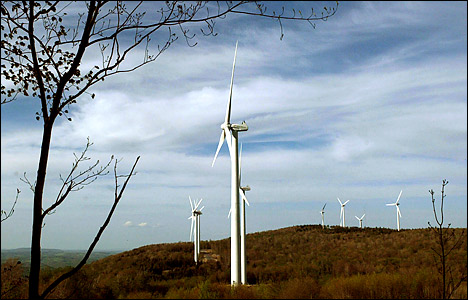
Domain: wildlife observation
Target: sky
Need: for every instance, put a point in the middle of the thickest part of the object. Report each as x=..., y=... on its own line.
x=369, y=103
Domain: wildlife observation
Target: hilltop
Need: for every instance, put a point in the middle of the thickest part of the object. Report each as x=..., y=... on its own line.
x=302, y=261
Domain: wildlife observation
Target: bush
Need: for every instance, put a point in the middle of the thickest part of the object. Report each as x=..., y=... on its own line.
x=14, y=282
x=304, y=288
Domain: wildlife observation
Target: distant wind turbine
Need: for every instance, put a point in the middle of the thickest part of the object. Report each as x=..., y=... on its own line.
x=243, y=227
x=398, y=214
x=243, y=189
x=322, y=212
x=195, y=227
x=360, y=220
x=342, y=212
x=230, y=133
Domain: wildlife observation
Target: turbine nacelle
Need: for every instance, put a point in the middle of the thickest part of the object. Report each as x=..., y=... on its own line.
x=239, y=127
x=245, y=188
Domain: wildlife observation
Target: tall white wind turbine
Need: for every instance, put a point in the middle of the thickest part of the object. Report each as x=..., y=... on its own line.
x=342, y=212
x=230, y=133
x=398, y=214
x=243, y=189
x=360, y=220
x=322, y=212
x=195, y=227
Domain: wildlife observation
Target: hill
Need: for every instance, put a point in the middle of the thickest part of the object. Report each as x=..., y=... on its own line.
x=303, y=261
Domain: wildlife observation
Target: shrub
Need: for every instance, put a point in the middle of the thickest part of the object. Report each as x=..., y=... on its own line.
x=304, y=288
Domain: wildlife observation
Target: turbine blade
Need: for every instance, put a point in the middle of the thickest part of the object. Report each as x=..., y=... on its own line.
x=228, y=109
x=228, y=140
x=391, y=204
x=357, y=218
x=202, y=208
x=339, y=200
x=363, y=216
x=191, y=230
x=221, y=140
x=324, y=206
x=399, y=196
x=191, y=205
x=198, y=204
x=345, y=202
x=244, y=197
x=229, y=214
x=398, y=209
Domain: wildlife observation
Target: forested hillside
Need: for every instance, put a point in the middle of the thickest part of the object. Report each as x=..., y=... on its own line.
x=303, y=261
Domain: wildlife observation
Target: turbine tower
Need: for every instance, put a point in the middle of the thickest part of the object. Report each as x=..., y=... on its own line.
x=243, y=189
x=230, y=133
x=195, y=227
x=398, y=214
x=322, y=212
x=360, y=220
x=342, y=212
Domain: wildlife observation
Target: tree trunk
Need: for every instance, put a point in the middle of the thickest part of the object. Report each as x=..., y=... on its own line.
x=37, y=211
x=442, y=246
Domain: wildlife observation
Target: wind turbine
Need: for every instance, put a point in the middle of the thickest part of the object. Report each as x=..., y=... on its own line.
x=360, y=220
x=243, y=189
x=398, y=215
x=195, y=230
x=322, y=212
x=342, y=212
x=230, y=133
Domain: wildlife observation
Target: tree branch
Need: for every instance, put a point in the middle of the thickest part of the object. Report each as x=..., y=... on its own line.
x=77, y=182
x=12, y=210
x=117, y=198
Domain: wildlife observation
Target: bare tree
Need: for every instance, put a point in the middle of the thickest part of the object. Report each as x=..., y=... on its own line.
x=447, y=241
x=42, y=50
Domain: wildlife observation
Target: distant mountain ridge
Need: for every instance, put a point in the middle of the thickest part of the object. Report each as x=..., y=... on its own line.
x=53, y=258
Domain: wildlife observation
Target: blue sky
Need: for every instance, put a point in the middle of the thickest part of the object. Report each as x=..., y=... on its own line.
x=369, y=103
